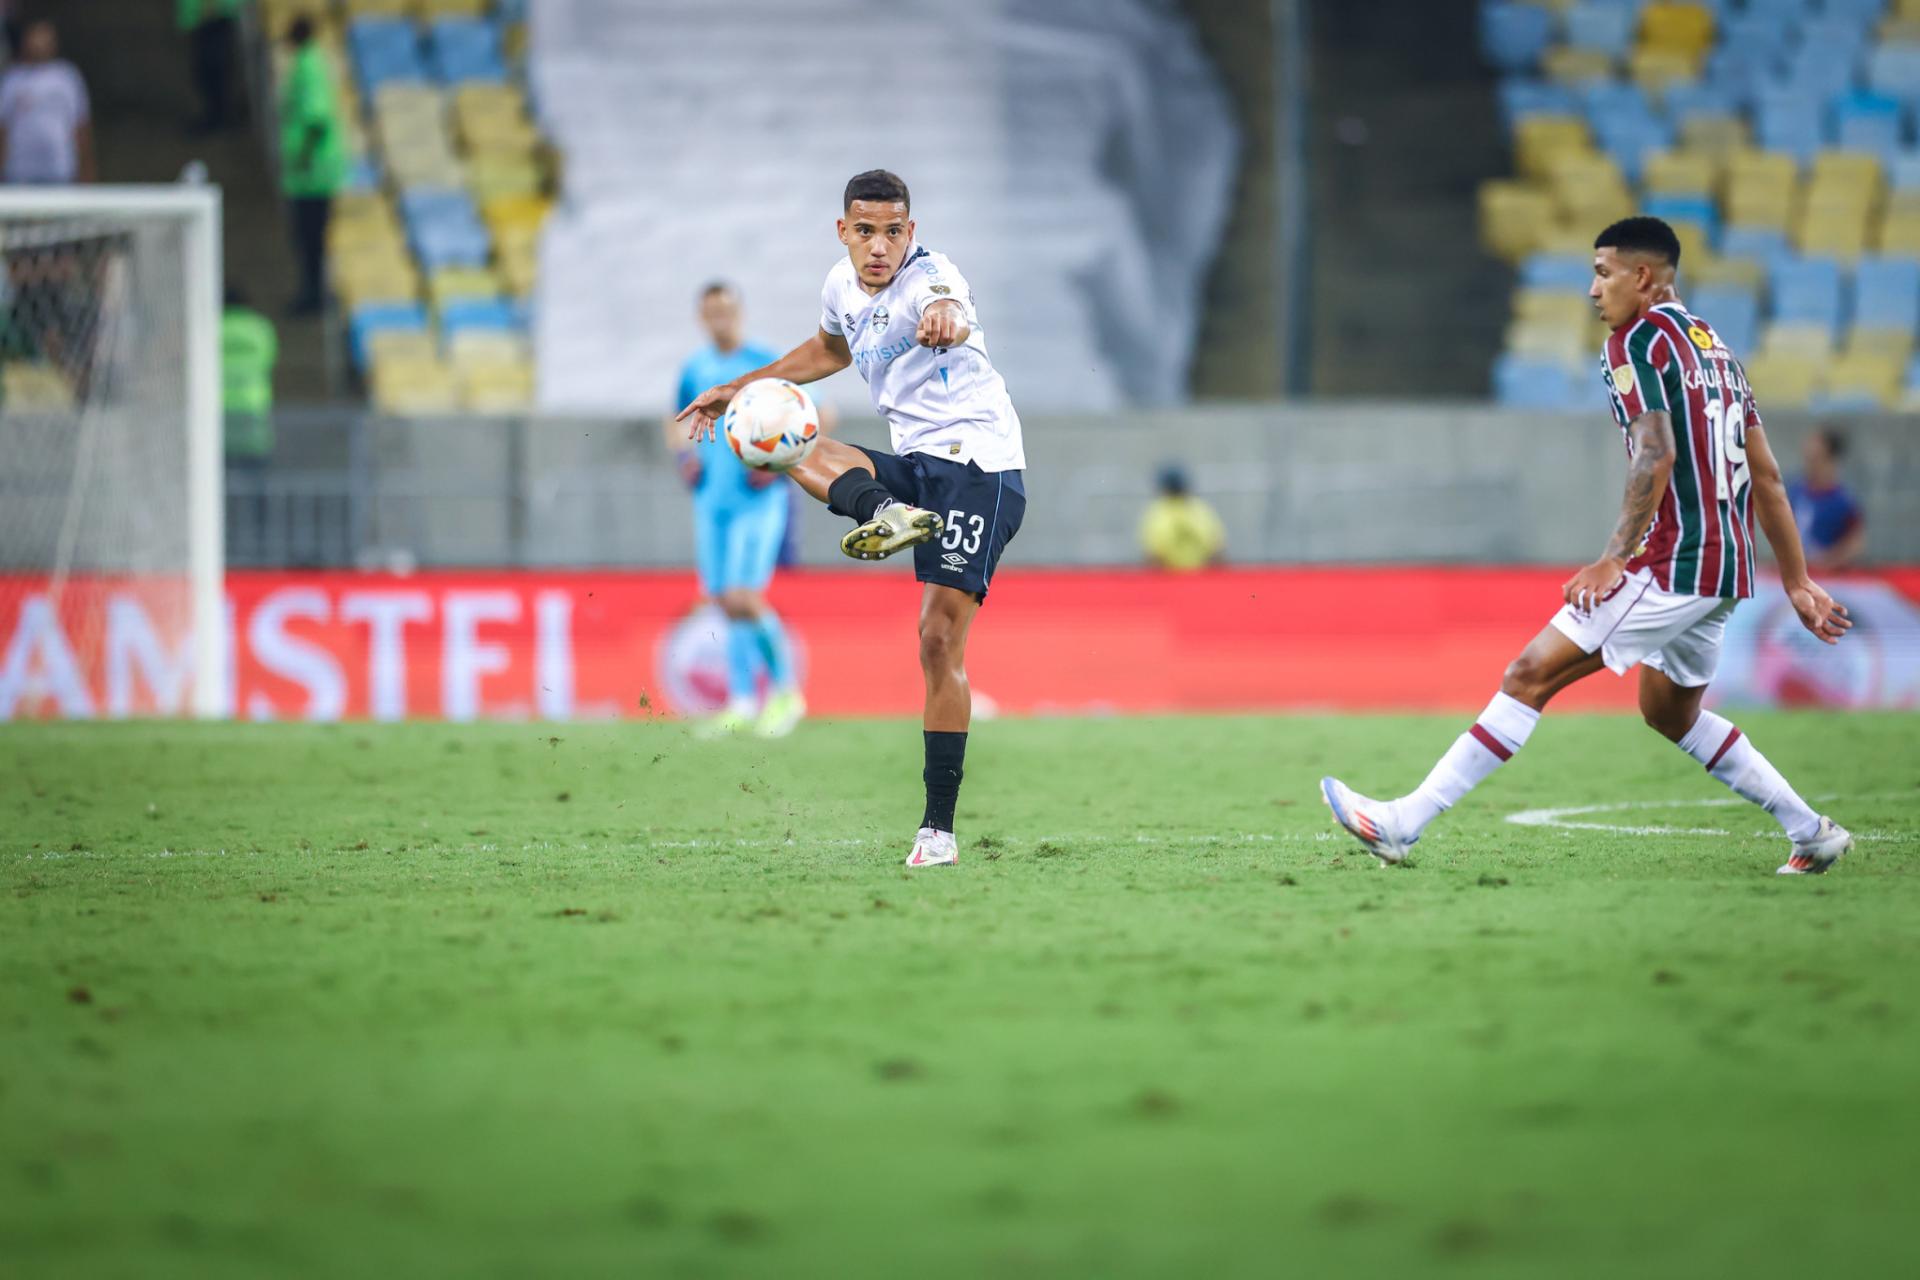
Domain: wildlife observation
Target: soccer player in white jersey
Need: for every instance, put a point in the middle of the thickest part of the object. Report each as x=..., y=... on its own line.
x=951, y=489
x=1699, y=474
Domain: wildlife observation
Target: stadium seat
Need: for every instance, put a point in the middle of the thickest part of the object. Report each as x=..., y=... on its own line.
x=1523, y=383
x=1720, y=271
x=1783, y=381
x=1605, y=27
x=1514, y=35
x=1683, y=28
x=1566, y=65
x=465, y=49
x=1556, y=273
x=478, y=313
x=1733, y=313
x=1807, y=291
x=1866, y=380
x=379, y=317
x=1886, y=295
x=414, y=387
x=1658, y=69
x=1539, y=140
x=1514, y=218
x=1894, y=69
x=1791, y=123
x=1679, y=173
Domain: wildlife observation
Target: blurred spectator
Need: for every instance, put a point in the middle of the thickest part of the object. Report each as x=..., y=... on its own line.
x=10, y=26
x=46, y=133
x=1179, y=531
x=312, y=157
x=249, y=348
x=1830, y=522
x=212, y=35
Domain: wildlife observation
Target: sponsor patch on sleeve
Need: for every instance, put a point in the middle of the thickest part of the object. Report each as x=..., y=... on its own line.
x=1623, y=379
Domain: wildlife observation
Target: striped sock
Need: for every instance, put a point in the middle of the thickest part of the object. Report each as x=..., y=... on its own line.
x=1501, y=730
x=1730, y=757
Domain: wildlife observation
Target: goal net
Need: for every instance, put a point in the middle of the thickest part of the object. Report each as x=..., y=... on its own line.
x=110, y=481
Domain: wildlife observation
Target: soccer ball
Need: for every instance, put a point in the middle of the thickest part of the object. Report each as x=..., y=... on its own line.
x=772, y=424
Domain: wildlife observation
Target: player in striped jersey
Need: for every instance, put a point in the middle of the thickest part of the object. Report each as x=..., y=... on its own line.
x=1699, y=473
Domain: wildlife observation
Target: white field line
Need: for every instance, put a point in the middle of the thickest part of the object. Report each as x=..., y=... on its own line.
x=1562, y=818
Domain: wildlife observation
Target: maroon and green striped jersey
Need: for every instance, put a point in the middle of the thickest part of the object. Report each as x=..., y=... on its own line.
x=1701, y=539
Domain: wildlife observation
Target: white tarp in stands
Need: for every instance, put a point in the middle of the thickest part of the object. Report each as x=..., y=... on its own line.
x=1075, y=158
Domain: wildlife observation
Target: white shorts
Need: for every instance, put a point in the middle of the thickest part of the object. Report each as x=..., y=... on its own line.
x=1678, y=636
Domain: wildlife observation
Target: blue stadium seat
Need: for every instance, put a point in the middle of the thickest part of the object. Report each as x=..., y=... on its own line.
x=1677, y=208
x=1520, y=98
x=479, y=313
x=1807, y=291
x=1780, y=8
x=465, y=49
x=1523, y=383
x=1863, y=12
x=1791, y=122
x=1513, y=36
x=1867, y=121
x=385, y=50
x=1702, y=98
x=1821, y=70
x=1733, y=313
x=1607, y=28
x=1886, y=294
x=1903, y=171
x=1761, y=244
x=1557, y=273
x=380, y=317
x=1913, y=377
x=1894, y=69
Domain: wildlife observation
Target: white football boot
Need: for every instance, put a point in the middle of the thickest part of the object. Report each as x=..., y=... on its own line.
x=934, y=849
x=897, y=527
x=1369, y=821
x=1813, y=857
x=783, y=713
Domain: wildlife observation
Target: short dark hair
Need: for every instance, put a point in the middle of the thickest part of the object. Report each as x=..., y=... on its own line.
x=718, y=286
x=1836, y=442
x=876, y=184
x=1641, y=235
x=300, y=30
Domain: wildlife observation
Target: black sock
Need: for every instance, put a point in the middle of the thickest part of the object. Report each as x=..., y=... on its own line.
x=856, y=495
x=946, y=752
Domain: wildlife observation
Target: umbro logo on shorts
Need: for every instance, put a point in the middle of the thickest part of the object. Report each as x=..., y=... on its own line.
x=955, y=561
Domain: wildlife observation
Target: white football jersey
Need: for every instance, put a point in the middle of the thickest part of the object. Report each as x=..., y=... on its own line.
x=948, y=404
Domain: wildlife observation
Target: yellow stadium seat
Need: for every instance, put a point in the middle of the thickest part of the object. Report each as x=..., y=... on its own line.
x=1566, y=64
x=400, y=346
x=492, y=176
x=1900, y=234
x=1841, y=235
x=1687, y=28
x=1569, y=240
x=1906, y=10
x=1813, y=341
x=1710, y=271
x=1537, y=140
x=1784, y=381
x=1866, y=375
x=453, y=8
x=379, y=8
x=1695, y=243
x=451, y=283
x=1847, y=171
x=414, y=387
x=474, y=348
x=29, y=387
x=519, y=270
x=1513, y=217
x=1679, y=173
x=1758, y=204
x=505, y=213
x=503, y=388
x=1549, y=309
x=1889, y=344
x=1714, y=135
x=513, y=44
x=1657, y=69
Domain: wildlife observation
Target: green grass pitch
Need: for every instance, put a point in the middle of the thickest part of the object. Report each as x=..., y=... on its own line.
x=596, y=999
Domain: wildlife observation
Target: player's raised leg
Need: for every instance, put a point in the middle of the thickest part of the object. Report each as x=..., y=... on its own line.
x=1389, y=828
x=843, y=477
x=946, y=618
x=1674, y=711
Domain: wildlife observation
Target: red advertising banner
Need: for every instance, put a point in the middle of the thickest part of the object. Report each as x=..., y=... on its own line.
x=560, y=645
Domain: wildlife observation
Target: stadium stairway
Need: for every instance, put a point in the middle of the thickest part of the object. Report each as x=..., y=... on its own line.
x=1403, y=123
x=135, y=64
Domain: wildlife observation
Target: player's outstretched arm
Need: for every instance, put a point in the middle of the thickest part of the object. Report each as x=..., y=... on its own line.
x=1774, y=512
x=820, y=356
x=1648, y=471
x=943, y=324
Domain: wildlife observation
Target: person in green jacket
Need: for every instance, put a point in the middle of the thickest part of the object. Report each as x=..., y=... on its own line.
x=249, y=347
x=212, y=28
x=313, y=156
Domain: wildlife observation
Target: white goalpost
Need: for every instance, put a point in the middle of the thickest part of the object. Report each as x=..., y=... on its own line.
x=112, y=559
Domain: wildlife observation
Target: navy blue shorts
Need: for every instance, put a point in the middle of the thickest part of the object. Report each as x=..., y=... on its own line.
x=982, y=510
